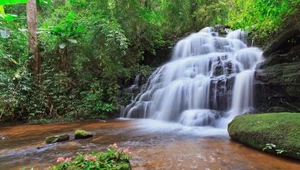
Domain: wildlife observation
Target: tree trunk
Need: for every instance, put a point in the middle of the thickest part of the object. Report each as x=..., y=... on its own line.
x=31, y=10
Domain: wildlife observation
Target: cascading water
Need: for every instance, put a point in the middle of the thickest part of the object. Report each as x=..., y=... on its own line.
x=208, y=79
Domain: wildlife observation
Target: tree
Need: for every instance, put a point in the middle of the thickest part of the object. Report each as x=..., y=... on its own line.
x=31, y=10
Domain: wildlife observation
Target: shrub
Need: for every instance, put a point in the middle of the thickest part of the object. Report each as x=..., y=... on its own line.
x=114, y=159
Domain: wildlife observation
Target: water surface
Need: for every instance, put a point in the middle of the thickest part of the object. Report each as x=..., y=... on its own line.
x=154, y=145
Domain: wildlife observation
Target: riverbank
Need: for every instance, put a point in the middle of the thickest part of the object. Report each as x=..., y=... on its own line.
x=276, y=133
x=111, y=116
x=47, y=121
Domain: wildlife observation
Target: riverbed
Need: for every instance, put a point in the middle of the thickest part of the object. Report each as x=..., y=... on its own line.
x=154, y=145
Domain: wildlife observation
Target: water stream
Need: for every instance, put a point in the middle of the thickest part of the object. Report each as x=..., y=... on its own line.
x=154, y=145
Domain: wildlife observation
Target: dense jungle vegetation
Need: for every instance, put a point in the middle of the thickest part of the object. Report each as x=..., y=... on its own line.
x=84, y=52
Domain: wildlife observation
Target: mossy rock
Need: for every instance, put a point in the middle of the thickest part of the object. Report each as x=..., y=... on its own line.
x=82, y=134
x=285, y=75
x=57, y=138
x=276, y=133
x=284, y=41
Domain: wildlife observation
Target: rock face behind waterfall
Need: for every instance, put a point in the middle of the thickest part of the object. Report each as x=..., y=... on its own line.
x=208, y=78
x=279, y=74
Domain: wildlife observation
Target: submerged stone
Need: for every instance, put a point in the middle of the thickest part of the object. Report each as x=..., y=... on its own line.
x=57, y=138
x=82, y=134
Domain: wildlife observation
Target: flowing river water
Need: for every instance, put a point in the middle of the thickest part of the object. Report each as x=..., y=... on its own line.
x=154, y=145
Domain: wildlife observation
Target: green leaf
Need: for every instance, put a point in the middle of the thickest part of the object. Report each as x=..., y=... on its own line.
x=71, y=14
x=72, y=41
x=10, y=17
x=62, y=45
x=11, y=2
x=2, y=10
x=13, y=61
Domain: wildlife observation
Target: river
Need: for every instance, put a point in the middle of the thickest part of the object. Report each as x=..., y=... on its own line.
x=154, y=145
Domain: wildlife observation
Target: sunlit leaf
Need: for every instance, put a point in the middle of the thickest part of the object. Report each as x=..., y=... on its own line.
x=11, y=2
x=2, y=10
x=72, y=41
x=10, y=17
x=13, y=61
x=62, y=45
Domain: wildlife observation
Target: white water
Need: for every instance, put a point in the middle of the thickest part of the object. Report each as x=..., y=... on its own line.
x=208, y=81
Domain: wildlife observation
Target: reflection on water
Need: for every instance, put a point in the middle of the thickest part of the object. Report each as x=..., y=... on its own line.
x=154, y=145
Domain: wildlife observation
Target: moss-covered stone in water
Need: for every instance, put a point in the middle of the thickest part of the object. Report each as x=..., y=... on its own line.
x=57, y=138
x=262, y=130
x=82, y=134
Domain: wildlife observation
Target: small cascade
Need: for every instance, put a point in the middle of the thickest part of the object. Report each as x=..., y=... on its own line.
x=208, y=78
x=134, y=87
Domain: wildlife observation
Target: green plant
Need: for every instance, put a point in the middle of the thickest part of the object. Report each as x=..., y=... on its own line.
x=264, y=17
x=114, y=159
x=280, y=151
x=269, y=146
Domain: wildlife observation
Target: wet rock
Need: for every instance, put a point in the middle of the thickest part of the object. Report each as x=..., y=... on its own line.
x=218, y=70
x=222, y=29
x=40, y=147
x=279, y=75
x=293, y=55
x=279, y=86
x=136, y=110
x=57, y=138
x=82, y=134
x=284, y=75
x=284, y=41
x=278, y=109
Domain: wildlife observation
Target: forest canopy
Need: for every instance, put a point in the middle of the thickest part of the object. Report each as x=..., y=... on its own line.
x=70, y=59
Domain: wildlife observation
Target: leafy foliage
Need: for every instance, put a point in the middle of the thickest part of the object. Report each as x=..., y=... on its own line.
x=263, y=16
x=92, y=49
x=10, y=2
x=114, y=158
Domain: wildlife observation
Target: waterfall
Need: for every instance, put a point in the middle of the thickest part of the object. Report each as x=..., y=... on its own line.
x=134, y=87
x=208, y=78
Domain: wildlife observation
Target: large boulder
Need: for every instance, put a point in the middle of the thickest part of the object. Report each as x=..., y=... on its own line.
x=57, y=138
x=278, y=76
x=285, y=41
x=82, y=134
x=276, y=133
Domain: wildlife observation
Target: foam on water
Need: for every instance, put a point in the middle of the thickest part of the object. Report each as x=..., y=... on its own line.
x=152, y=126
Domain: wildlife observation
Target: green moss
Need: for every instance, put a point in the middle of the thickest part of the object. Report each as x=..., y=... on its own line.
x=57, y=138
x=82, y=134
x=259, y=130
